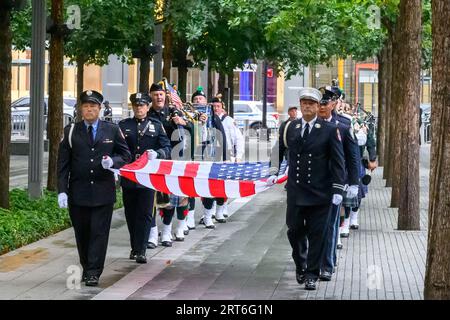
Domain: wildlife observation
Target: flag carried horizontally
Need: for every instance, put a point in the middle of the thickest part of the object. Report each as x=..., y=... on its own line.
x=201, y=179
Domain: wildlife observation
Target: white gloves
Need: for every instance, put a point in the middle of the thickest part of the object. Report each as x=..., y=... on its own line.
x=337, y=199
x=272, y=180
x=352, y=191
x=107, y=162
x=152, y=154
x=62, y=200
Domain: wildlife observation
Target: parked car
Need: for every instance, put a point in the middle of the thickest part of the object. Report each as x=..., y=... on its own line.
x=252, y=111
x=20, y=112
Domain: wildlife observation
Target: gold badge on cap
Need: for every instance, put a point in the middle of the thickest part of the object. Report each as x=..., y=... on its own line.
x=89, y=93
x=138, y=95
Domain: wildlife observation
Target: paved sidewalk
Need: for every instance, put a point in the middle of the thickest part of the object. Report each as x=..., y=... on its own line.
x=246, y=258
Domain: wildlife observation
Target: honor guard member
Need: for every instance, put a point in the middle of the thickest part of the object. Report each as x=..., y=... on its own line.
x=315, y=181
x=85, y=185
x=328, y=113
x=199, y=97
x=171, y=121
x=143, y=134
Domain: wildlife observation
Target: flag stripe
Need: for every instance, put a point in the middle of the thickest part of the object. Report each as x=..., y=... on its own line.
x=246, y=188
x=159, y=181
x=187, y=186
x=217, y=188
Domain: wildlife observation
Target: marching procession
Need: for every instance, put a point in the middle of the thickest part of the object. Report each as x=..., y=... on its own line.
x=324, y=150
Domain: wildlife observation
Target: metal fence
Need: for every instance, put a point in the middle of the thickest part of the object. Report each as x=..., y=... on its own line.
x=20, y=125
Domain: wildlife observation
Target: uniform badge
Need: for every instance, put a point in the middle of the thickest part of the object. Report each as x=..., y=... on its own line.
x=317, y=125
x=89, y=93
x=138, y=95
x=338, y=135
x=298, y=126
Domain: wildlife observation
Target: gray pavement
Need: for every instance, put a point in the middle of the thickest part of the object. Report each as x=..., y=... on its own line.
x=246, y=258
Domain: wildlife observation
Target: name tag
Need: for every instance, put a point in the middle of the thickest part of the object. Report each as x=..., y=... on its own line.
x=107, y=141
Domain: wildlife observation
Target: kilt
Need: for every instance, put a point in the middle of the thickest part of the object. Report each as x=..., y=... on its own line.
x=350, y=203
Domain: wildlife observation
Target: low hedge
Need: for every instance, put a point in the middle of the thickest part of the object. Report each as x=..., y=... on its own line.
x=28, y=220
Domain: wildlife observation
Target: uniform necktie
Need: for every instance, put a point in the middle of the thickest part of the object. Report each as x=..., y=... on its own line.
x=306, y=132
x=91, y=135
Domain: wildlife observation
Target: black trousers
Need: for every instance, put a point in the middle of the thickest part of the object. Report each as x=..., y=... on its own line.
x=306, y=233
x=138, y=205
x=91, y=225
x=208, y=202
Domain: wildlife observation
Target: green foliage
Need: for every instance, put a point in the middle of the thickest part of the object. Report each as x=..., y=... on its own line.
x=21, y=28
x=31, y=220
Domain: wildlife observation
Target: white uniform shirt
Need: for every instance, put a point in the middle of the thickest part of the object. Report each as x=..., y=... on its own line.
x=235, y=139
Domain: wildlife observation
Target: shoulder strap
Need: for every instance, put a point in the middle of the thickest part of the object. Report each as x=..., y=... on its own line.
x=72, y=125
x=285, y=134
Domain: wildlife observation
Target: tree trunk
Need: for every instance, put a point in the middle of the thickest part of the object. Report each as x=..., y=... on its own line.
x=409, y=101
x=231, y=90
x=55, y=95
x=381, y=104
x=387, y=111
x=210, y=81
x=167, y=52
x=221, y=83
x=80, y=84
x=5, y=105
x=181, y=53
x=394, y=142
x=144, y=74
x=437, y=275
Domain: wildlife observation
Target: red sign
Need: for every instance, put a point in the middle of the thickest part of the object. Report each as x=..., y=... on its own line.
x=269, y=73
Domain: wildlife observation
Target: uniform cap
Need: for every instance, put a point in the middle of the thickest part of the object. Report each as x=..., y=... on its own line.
x=310, y=94
x=91, y=96
x=156, y=87
x=199, y=92
x=140, y=98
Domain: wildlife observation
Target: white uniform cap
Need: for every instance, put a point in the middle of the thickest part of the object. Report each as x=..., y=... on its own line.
x=310, y=93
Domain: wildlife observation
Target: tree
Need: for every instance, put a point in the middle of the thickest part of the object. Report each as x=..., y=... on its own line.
x=5, y=102
x=437, y=276
x=55, y=94
x=407, y=101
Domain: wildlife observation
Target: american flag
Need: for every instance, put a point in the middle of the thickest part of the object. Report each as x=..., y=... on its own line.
x=201, y=179
x=176, y=100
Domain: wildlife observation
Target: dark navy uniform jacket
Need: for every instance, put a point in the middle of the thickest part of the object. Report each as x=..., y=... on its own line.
x=316, y=166
x=142, y=135
x=351, y=149
x=80, y=173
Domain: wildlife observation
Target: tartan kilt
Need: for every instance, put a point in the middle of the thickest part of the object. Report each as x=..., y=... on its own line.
x=349, y=203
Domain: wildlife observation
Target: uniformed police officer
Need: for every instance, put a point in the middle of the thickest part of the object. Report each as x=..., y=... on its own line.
x=143, y=134
x=88, y=149
x=315, y=181
x=328, y=104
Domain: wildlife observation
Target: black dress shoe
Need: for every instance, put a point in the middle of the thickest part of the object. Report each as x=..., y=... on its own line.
x=191, y=228
x=210, y=226
x=221, y=220
x=186, y=232
x=141, y=258
x=92, y=281
x=84, y=277
x=166, y=243
x=339, y=246
x=354, y=227
x=326, y=276
x=151, y=245
x=300, y=277
x=310, y=284
x=225, y=215
x=345, y=235
x=133, y=255
x=201, y=221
